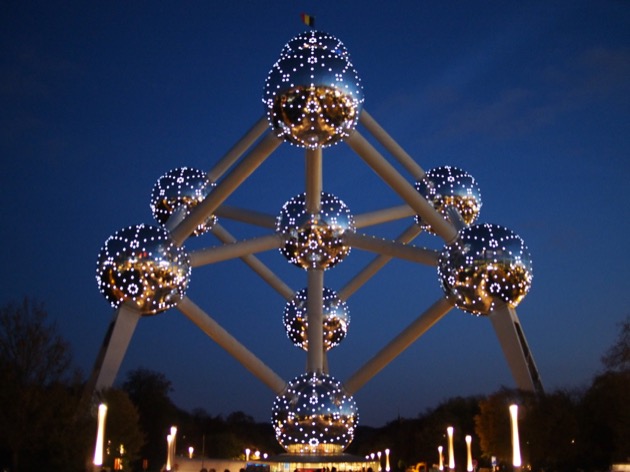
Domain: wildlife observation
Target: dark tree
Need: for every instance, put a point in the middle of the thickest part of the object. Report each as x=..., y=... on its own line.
x=617, y=358
x=38, y=392
x=149, y=391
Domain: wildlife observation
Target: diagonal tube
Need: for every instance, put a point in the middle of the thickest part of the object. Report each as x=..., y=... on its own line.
x=376, y=264
x=255, y=264
x=383, y=216
x=410, y=334
x=391, y=248
x=255, y=132
x=231, y=345
x=392, y=146
x=236, y=249
x=224, y=188
x=400, y=185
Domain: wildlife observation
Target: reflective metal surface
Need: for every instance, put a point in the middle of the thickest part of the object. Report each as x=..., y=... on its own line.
x=314, y=416
x=141, y=265
x=315, y=240
x=313, y=94
x=183, y=187
x=335, y=319
x=449, y=186
x=487, y=265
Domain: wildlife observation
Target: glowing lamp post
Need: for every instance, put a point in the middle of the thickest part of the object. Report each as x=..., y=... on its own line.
x=191, y=450
x=100, y=435
x=440, y=458
x=247, y=452
x=469, y=464
x=516, y=448
x=451, y=454
x=387, y=467
x=169, y=452
x=379, y=461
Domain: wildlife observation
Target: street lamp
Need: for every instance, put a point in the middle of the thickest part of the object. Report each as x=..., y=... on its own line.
x=440, y=458
x=469, y=465
x=379, y=461
x=451, y=454
x=100, y=435
x=387, y=468
x=516, y=448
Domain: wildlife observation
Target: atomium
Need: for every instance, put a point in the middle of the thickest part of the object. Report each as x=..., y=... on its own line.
x=182, y=188
x=487, y=265
x=313, y=94
x=315, y=241
x=314, y=416
x=335, y=314
x=313, y=98
x=141, y=265
x=446, y=187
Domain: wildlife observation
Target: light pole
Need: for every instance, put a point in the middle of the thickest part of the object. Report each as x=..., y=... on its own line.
x=469, y=465
x=100, y=435
x=440, y=458
x=387, y=468
x=516, y=447
x=451, y=454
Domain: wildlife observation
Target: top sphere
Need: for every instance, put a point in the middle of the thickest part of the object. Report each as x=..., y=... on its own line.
x=447, y=186
x=313, y=94
x=184, y=188
x=485, y=266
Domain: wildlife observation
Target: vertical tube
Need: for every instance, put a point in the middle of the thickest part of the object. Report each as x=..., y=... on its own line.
x=315, y=328
x=313, y=180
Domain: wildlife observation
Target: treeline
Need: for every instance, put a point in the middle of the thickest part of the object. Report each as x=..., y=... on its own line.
x=46, y=424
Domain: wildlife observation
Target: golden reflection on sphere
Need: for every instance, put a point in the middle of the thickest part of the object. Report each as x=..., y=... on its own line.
x=335, y=319
x=315, y=241
x=314, y=416
x=448, y=186
x=141, y=265
x=313, y=94
x=184, y=188
x=487, y=265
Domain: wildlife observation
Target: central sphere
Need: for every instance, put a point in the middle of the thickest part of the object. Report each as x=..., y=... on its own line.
x=142, y=266
x=485, y=266
x=335, y=318
x=314, y=416
x=315, y=240
x=313, y=95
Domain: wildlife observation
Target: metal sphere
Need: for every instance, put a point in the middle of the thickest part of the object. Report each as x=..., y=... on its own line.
x=314, y=416
x=183, y=188
x=315, y=241
x=313, y=94
x=487, y=265
x=335, y=319
x=447, y=186
x=142, y=266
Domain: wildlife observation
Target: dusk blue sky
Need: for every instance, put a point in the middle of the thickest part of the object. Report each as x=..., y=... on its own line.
x=98, y=99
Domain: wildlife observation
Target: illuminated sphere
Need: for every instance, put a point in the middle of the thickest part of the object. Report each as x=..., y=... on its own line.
x=183, y=187
x=448, y=186
x=314, y=416
x=313, y=94
x=141, y=265
x=335, y=319
x=485, y=266
x=315, y=241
